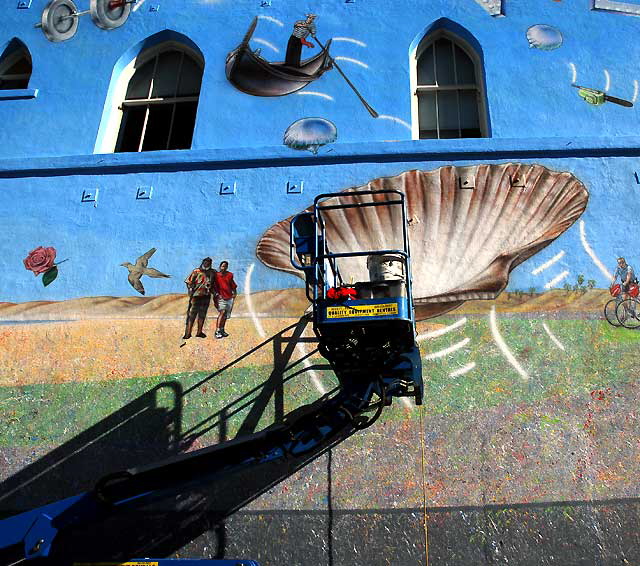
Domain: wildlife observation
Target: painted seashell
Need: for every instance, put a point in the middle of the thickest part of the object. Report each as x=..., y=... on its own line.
x=544, y=37
x=310, y=134
x=464, y=242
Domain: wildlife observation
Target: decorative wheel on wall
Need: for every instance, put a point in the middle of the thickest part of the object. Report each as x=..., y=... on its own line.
x=110, y=14
x=60, y=17
x=60, y=20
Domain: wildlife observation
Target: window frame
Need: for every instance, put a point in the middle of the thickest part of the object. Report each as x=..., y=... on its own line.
x=109, y=142
x=478, y=86
x=16, y=51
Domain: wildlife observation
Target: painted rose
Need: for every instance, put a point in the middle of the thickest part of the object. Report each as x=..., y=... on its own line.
x=40, y=260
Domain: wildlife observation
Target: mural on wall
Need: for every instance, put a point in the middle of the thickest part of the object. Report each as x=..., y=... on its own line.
x=624, y=307
x=544, y=37
x=41, y=260
x=630, y=8
x=60, y=18
x=492, y=7
x=141, y=268
x=599, y=97
x=310, y=134
x=204, y=284
x=464, y=241
x=252, y=74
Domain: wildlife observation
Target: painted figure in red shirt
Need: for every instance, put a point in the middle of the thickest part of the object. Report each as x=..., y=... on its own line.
x=225, y=288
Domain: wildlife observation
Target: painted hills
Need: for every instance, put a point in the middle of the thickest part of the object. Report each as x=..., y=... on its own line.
x=279, y=303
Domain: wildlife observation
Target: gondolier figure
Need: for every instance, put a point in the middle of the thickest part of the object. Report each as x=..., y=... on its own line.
x=301, y=30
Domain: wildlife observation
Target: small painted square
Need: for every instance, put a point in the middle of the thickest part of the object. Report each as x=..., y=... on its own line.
x=492, y=7
x=228, y=189
x=90, y=195
x=144, y=193
x=265, y=3
x=467, y=182
x=295, y=188
x=24, y=4
x=154, y=8
x=518, y=181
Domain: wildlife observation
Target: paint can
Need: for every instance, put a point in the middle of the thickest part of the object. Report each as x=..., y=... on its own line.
x=386, y=267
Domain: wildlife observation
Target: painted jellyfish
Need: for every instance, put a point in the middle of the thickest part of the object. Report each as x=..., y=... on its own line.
x=544, y=37
x=310, y=134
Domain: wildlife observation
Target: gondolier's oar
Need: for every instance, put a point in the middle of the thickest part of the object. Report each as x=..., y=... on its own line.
x=252, y=28
x=333, y=61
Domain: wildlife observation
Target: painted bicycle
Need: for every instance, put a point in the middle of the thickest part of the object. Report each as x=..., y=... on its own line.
x=621, y=311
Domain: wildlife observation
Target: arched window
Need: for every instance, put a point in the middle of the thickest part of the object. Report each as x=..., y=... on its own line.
x=448, y=94
x=161, y=99
x=15, y=66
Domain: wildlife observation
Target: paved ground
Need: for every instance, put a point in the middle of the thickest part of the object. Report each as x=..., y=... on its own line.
x=539, y=468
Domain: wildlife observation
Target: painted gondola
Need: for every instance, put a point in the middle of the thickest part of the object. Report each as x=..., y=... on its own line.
x=250, y=73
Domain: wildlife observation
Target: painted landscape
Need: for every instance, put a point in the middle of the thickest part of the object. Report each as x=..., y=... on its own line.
x=571, y=377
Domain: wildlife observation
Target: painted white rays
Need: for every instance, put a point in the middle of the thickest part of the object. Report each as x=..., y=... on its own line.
x=272, y=20
x=266, y=44
x=607, y=81
x=350, y=40
x=548, y=264
x=314, y=93
x=591, y=253
x=396, y=120
x=351, y=60
x=451, y=349
x=502, y=345
x=442, y=331
x=249, y=300
x=260, y=330
x=446, y=351
x=553, y=282
x=554, y=339
x=574, y=73
x=635, y=91
x=464, y=369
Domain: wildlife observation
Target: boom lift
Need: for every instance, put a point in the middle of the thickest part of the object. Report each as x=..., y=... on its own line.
x=365, y=329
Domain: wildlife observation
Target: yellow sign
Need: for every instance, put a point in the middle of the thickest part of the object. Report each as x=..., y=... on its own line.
x=384, y=309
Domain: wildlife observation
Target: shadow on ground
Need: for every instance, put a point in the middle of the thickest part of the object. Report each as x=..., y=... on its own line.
x=206, y=520
x=148, y=430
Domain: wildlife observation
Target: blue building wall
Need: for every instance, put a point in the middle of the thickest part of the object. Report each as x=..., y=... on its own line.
x=530, y=454
x=528, y=90
x=188, y=218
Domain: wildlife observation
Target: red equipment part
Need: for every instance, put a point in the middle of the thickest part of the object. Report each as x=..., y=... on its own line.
x=340, y=293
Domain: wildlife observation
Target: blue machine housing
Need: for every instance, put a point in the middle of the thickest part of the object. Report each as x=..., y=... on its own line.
x=366, y=329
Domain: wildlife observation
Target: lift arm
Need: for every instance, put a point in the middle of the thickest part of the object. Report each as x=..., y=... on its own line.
x=306, y=433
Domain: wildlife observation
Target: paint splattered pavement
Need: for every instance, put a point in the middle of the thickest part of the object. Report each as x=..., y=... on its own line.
x=500, y=447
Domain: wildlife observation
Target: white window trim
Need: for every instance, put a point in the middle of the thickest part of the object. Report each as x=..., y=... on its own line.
x=115, y=114
x=413, y=72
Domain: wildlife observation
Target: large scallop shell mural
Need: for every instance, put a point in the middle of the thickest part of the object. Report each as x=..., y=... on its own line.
x=464, y=241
